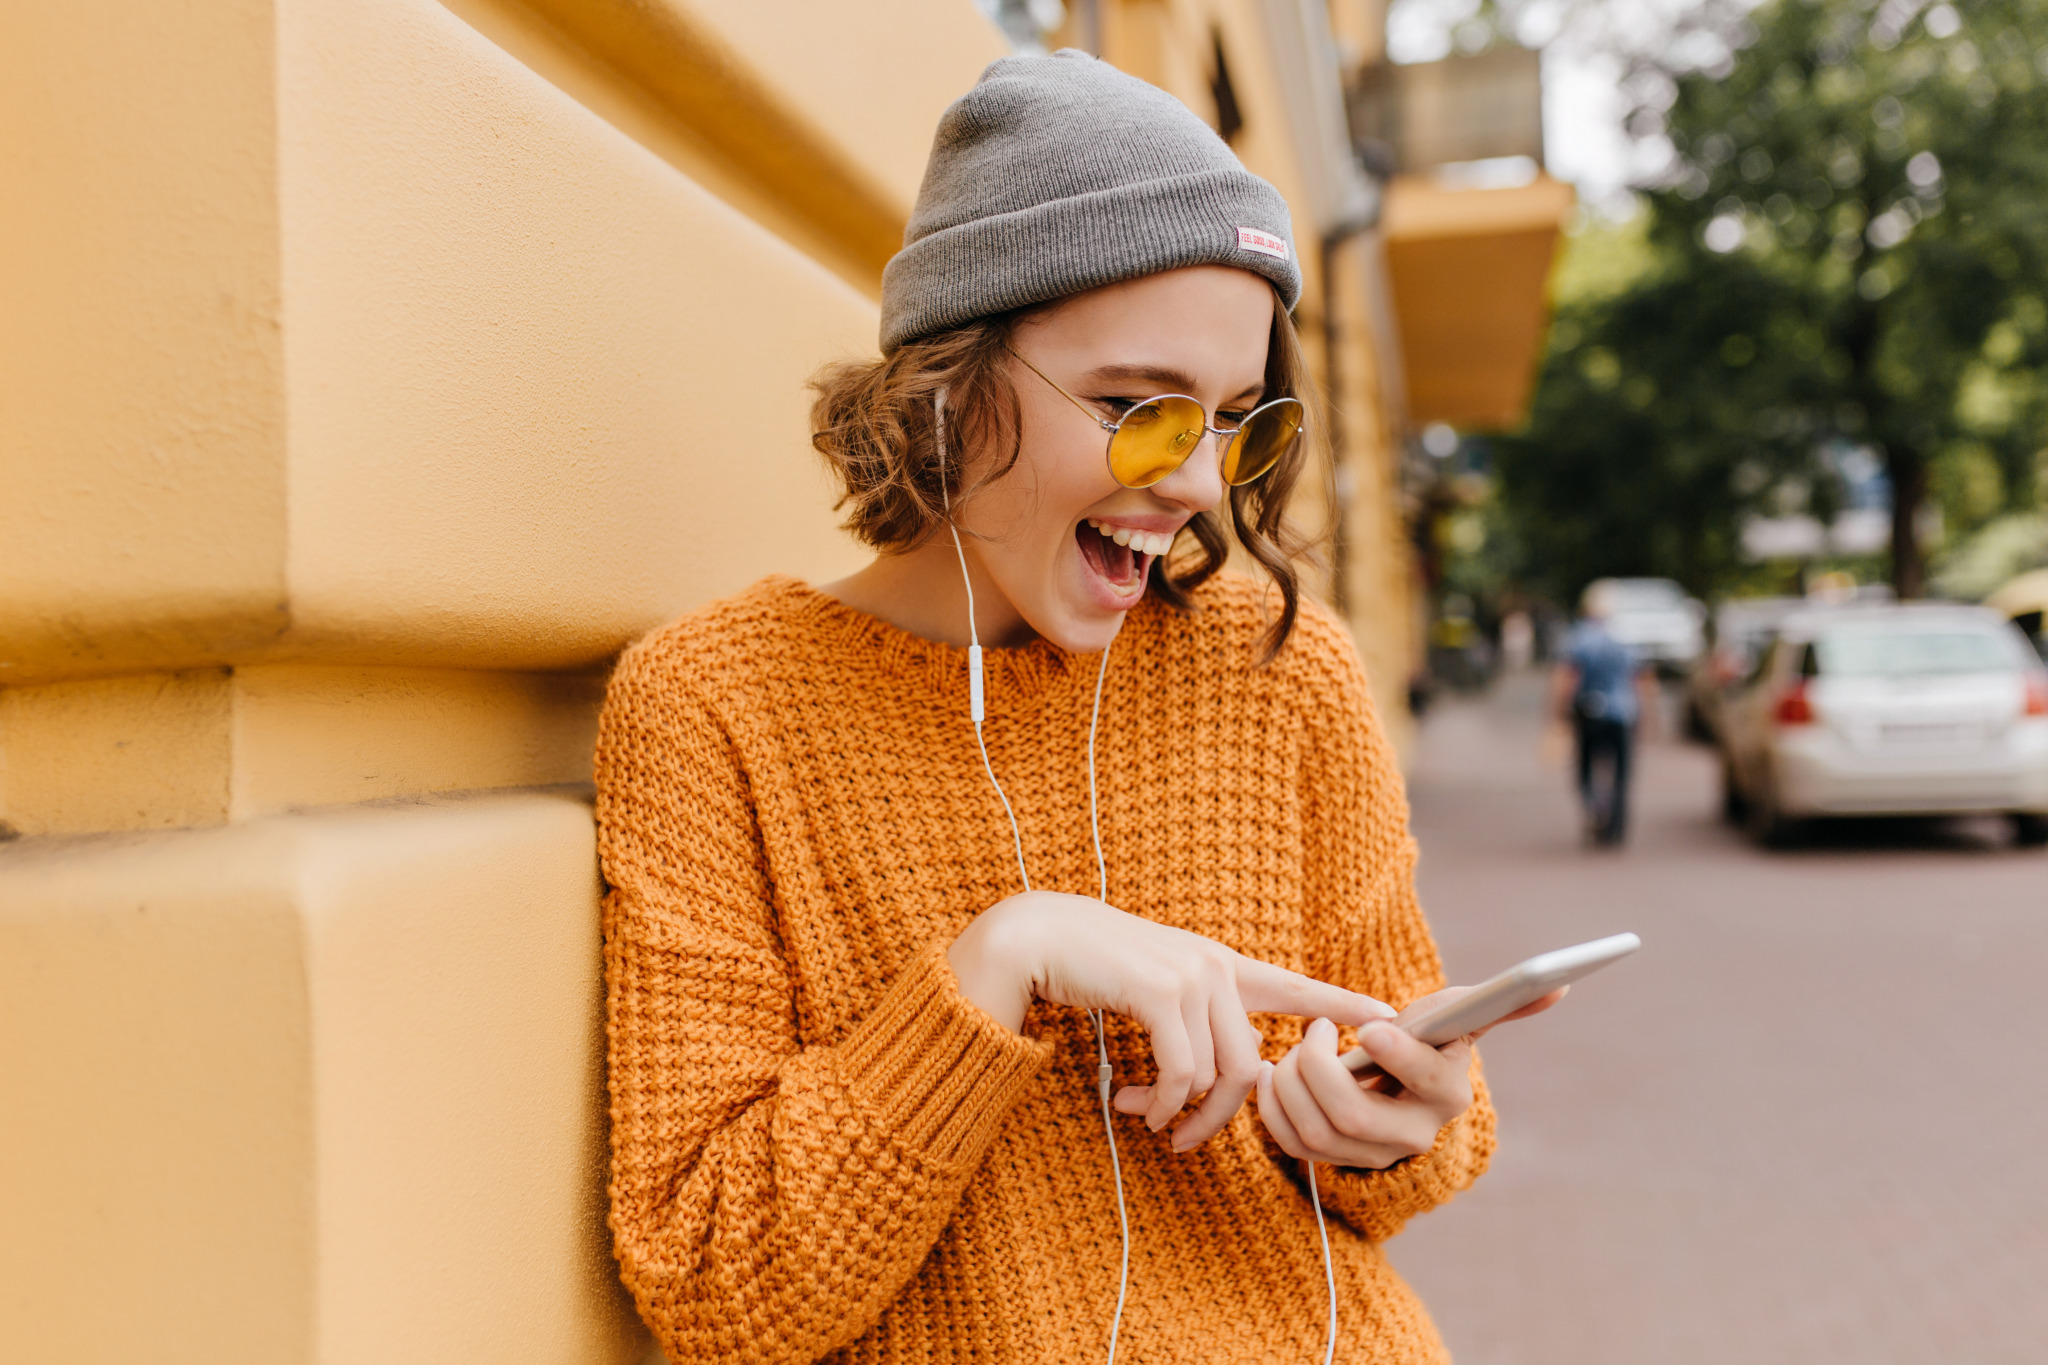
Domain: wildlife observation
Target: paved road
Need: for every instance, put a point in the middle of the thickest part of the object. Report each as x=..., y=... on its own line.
x=1808, y=1123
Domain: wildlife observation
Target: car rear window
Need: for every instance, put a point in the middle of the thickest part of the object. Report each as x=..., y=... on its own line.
x=1645, y=594
x=1894, y=653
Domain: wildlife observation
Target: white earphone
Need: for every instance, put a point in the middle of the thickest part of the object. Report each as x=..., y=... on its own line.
x=977, y=709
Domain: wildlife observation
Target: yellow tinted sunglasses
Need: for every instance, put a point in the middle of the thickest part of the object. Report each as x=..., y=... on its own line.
x=1155, y=437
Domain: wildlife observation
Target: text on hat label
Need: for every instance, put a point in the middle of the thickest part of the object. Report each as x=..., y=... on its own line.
x=1265, y=243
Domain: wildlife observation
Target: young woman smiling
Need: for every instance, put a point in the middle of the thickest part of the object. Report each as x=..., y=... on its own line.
x=860, y=940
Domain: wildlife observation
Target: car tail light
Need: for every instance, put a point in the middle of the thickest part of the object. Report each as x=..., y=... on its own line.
x=1793, y=708
x=2037, y=694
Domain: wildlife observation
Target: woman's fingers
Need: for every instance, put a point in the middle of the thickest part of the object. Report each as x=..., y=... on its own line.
x=1237, y=1071
x=1175, y=1057
x=1194, y=1017
x=1273, y=1114
x=1132, y=1099
x=1275, y=990
x=1438, y=1077
x=1319, y=1139
x=1335, y=1090
x=1384, y=1128
x=1190, y=996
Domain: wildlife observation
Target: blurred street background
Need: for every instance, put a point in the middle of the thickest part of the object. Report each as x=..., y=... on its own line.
x=1802, y=1125
x=372, y=373
x=1790, y=410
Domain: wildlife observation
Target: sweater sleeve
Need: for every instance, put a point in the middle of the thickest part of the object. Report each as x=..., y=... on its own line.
x=769, y=1199
x=1366, y=928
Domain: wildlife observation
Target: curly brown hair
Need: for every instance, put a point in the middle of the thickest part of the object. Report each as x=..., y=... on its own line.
x=873, y=423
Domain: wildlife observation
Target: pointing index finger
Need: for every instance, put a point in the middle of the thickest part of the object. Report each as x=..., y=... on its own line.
x=1275, y=990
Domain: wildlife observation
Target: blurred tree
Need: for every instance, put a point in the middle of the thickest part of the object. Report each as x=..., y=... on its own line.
x=1849, y=248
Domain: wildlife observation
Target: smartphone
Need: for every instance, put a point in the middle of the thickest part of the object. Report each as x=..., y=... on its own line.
x=1522, y=984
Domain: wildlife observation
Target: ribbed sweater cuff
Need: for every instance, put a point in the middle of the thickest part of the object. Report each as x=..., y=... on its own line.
x=937, y=1068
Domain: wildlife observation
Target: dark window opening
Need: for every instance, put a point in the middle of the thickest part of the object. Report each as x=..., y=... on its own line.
x=1229, y=118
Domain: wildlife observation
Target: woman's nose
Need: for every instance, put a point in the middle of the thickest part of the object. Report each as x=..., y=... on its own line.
x=1198, y=484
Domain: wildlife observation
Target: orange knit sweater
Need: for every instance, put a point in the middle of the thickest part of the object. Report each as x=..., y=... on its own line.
x=820, y=1150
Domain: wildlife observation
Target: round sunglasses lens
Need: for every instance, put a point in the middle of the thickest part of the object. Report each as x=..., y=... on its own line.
x=1265, y=437
x=1154, y=439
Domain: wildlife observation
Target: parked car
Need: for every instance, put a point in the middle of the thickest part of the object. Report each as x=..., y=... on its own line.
x=1908, y=709
x=1741, y=628
x=1655, y=618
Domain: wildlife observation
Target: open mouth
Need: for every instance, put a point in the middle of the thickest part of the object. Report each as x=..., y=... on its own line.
x=1120, y=555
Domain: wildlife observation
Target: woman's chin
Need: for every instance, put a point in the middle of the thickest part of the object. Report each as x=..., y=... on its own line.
x=1091, y=612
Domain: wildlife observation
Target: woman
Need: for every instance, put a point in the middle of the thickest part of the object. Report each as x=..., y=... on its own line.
x=851, y=952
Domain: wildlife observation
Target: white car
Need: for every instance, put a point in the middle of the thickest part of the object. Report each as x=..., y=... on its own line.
x=1654, y=617
x=1743, y=627
x=1910, y=709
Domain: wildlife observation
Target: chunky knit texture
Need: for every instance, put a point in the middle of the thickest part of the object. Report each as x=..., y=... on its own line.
x=821, y=1150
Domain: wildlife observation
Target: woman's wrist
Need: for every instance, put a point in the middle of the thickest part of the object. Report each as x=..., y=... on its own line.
x=992, y=968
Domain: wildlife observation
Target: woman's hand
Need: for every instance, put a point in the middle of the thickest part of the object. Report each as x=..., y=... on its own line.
x=1318, y=1111
x=1188, y=992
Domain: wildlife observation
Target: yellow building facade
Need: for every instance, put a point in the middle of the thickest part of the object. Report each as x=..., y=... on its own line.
x=371, y=372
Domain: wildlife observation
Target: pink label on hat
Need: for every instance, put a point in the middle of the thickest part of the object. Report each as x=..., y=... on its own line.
x=1265, y=243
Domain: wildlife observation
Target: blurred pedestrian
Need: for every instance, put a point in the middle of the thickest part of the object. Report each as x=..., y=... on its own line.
x=1603, y=692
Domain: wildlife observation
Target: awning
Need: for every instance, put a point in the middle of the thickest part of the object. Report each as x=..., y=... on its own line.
x=2019, y=596
x=1469, y=270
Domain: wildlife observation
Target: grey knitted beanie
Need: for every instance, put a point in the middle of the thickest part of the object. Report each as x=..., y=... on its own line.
x=1059, y=174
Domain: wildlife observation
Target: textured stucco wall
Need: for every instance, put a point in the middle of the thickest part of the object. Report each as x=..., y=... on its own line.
x=369, y=374
x=308, y=1089
x=141, y=353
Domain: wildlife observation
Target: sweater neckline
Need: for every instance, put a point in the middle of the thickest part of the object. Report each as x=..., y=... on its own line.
x=1014, y=674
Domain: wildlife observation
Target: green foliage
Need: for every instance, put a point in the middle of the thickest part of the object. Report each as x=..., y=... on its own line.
x=2003, y=548
x=1851, y=247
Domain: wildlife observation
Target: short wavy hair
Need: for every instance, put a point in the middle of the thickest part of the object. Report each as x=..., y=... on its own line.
x=873, y=422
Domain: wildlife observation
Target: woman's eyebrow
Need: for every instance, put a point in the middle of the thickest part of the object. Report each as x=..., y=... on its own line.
x=1170, y=380
x=1173, y=380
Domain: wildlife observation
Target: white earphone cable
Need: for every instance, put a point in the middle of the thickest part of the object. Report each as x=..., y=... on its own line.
x=1102, y=1067
x=1103, y=1071
x=975, y=701
x=1315, y=1200
x=976, y=710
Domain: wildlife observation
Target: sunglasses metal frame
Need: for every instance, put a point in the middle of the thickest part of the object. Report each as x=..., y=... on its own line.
x=1221, y=432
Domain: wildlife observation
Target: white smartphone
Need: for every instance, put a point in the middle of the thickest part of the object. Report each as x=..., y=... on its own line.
x=1522, y=984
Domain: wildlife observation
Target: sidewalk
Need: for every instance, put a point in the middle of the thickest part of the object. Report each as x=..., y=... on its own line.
x=1804, y=1125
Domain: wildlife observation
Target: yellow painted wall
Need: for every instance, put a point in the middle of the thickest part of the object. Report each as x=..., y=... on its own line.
x=369, y=374
x=313, y=1088
x=141, y=350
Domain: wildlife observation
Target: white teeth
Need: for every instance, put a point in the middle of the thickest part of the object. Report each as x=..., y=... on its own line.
x=1142, y=542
